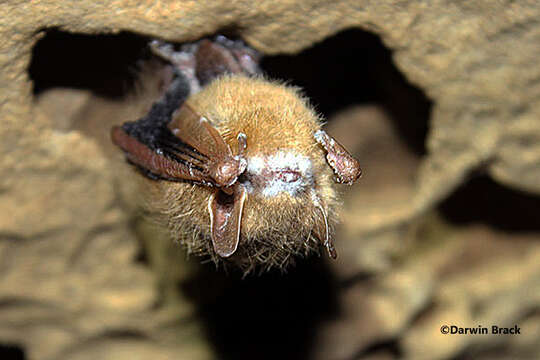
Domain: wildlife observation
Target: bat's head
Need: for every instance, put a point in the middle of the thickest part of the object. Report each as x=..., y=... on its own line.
x=245, y=172
x=287, y=190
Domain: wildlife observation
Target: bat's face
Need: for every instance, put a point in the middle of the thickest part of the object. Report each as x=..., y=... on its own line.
x=289, y=204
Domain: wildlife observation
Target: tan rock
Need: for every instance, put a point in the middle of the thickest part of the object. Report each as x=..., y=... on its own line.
x=68, y=272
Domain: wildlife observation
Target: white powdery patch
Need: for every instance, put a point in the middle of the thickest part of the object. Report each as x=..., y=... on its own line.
x=279, y=173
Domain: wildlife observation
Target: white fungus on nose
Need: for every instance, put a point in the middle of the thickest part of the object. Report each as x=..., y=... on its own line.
x=285, y=171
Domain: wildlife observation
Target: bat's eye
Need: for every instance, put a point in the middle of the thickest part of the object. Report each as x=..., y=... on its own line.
x=288, y=176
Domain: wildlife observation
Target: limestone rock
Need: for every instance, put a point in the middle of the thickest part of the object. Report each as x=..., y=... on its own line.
x=71, y=285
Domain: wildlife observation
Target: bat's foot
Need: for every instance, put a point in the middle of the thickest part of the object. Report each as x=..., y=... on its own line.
x=202, y=61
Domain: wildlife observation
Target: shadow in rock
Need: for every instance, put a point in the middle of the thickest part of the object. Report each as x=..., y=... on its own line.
x=270, y=316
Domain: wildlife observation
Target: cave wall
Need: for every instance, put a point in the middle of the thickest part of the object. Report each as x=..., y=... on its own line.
x=71, y=286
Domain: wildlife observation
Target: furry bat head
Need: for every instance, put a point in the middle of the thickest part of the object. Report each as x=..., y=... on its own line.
x=246, y=172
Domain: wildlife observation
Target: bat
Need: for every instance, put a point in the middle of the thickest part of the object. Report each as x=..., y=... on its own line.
x=241, y=168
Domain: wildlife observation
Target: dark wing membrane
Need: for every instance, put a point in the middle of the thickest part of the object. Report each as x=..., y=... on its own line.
x=150, y=145
x=158, y=163
x=151, y=125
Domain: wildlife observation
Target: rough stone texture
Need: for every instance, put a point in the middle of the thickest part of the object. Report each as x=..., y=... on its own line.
x=70, y=286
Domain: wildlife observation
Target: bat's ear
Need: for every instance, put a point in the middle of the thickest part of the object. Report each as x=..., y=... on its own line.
x=225, y=220
x=345, y=166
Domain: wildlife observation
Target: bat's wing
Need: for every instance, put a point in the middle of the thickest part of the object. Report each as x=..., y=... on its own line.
x=188, y=147
x=225, y=219
x=158, y=163
x=196, y=131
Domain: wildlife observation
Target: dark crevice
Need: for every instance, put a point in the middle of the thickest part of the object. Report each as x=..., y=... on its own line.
x=481, y=200
x=12, y=352
x=105, y=64
x=141, y=256
x=385, y=349
x=272, y=316
x=359, y=278
x=353, y=68
x=123, y=334
x=424, y=313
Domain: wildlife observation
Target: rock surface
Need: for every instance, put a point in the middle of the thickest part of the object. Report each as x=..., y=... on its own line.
x=71, y=285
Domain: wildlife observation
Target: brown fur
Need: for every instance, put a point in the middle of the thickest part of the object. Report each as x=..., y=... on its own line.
x=273, y=230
